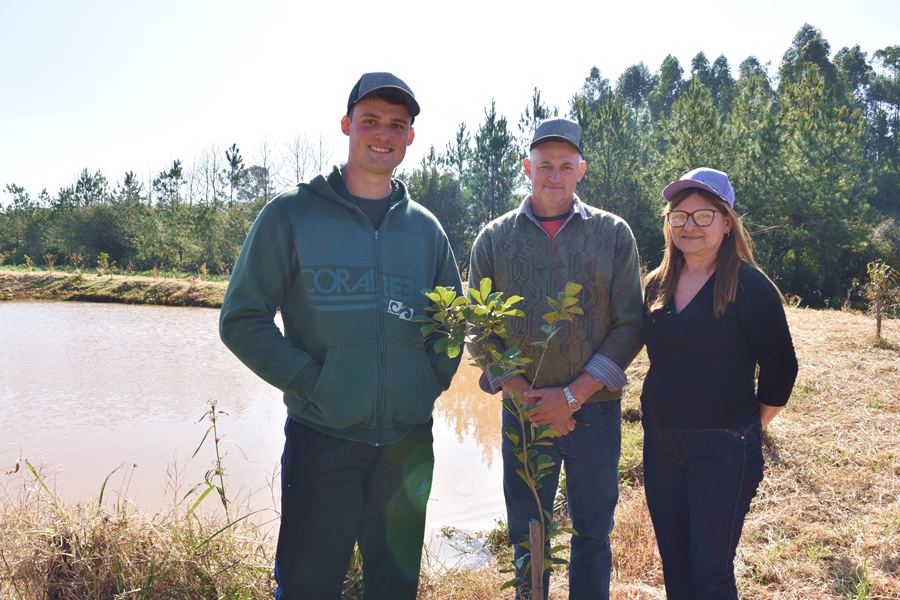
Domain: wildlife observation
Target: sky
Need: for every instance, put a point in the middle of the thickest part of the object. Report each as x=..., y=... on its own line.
x=131, y=86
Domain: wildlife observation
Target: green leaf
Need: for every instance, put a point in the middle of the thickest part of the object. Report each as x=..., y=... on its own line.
x=513, y=300
x=434, y=297
x=547, y=328
x=453, y=349
x=510, y=353
x=575, y=310
x=551, y=317
x=553, y=303
x=567, y=302
x=459, y=301
x=512, y=435
x=496, y=370
x=200, y=499
x=484, y=286
x=572, y=289
x=441, y=344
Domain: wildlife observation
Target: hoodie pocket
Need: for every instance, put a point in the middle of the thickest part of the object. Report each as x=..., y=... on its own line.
x=347, y=390
x=411, y=387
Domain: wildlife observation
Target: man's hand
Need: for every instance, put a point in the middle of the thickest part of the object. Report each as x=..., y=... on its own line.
x=552, y=409
x=517, y=383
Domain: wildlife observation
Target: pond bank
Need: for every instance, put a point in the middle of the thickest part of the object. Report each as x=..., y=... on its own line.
x=127, y=289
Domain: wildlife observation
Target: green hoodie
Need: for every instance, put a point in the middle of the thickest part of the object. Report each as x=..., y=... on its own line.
x=350, y=362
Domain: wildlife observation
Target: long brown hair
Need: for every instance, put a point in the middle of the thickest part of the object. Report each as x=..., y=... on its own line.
x=735, y=249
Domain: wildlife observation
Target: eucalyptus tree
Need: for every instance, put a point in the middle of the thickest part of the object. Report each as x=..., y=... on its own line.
x=808, y=48
x=634, y=86
x=668, y=89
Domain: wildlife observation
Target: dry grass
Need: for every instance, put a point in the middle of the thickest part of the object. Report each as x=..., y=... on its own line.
x=826, y=520
x=72, y=552
x=127, y=289
x=825, y=523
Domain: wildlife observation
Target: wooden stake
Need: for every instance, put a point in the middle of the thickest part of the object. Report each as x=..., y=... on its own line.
x=536, y=537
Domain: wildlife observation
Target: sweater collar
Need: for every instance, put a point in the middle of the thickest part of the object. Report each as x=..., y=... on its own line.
x=577, y=208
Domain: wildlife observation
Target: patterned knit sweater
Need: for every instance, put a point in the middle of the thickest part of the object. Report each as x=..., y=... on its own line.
x=597, y=251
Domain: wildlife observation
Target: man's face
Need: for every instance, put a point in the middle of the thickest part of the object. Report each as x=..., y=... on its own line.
x=379, y=134
x=553, y=168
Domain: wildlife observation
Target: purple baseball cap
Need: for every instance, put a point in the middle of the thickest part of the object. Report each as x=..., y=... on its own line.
x=705, y=179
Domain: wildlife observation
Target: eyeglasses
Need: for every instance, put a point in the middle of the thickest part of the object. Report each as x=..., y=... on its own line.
x=702, y=218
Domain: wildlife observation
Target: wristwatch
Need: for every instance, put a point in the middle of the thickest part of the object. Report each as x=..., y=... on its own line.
x=574, y=404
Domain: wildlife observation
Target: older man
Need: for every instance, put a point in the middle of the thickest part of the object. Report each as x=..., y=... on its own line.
x=551, y=239
x=345, y=257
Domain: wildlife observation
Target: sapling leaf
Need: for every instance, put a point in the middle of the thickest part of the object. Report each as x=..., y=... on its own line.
x=510, y=353
x=512, y=435
x=573, y=289
x=453, y=349
x=484, y=286
x=459, y=301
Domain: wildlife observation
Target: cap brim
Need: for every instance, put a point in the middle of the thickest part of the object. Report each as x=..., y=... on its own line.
x=682, y=184
x=398, y=92
x=554, y=138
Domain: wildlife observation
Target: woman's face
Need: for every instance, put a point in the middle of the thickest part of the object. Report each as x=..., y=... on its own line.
x=700, y=243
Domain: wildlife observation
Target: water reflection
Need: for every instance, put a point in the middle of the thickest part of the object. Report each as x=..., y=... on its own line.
x=86, y=388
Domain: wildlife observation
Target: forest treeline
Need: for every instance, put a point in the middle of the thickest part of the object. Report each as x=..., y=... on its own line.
x=812, y=147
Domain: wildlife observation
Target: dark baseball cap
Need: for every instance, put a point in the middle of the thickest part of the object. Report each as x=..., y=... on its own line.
x=558, y=130
x=383, y=84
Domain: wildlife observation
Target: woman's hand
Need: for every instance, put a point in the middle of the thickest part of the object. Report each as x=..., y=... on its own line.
x=767, y=413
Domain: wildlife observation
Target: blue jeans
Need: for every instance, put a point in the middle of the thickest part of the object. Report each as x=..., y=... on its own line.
x=337, y=492
x=699, y=484
x=591, y=456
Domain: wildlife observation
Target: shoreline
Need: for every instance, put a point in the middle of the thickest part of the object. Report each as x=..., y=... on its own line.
x=124, y=289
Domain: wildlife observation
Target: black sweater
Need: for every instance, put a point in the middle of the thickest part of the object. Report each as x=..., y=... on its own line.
x=702, y=368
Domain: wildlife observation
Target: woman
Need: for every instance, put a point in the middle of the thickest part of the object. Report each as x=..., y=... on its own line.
x=712, y=317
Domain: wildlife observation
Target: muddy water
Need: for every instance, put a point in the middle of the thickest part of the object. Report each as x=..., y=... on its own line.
x=86, y=389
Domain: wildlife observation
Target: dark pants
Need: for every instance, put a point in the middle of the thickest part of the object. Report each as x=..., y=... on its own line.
x=335, y=492
x=699, y=484
x=591, y=456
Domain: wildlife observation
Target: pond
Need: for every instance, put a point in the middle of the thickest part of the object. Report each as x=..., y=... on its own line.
x=86, y=389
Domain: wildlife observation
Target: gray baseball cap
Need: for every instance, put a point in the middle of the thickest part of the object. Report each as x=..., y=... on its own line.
x=558, y=130
x=384, y=84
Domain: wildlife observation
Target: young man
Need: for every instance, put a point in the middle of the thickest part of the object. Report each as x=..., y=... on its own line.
x=551, y=239
x=345, y=257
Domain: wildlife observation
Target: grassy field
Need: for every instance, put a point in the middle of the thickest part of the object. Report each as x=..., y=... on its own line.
x=825, y=523
x=163, y=289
